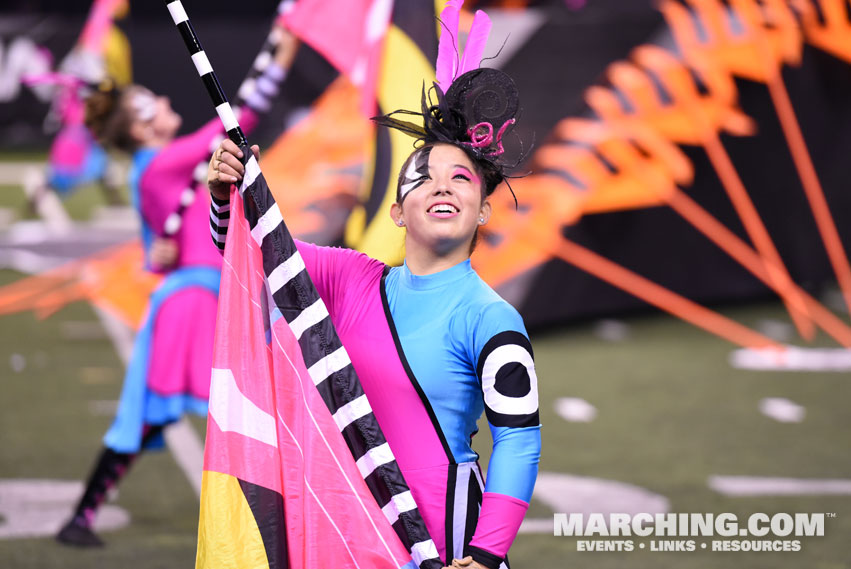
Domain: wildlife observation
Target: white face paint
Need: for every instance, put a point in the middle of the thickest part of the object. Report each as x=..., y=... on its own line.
x=415, y=174
x=144, y=105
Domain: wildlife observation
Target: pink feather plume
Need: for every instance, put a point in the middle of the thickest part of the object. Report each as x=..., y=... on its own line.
x=446, y=67
x=476, y=42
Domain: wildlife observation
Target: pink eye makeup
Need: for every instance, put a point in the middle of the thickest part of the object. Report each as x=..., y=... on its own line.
x=461, y=171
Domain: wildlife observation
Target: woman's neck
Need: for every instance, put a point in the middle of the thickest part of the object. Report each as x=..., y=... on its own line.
x=426, y=261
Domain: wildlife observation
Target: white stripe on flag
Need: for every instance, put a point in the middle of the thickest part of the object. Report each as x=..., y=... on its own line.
x=374, y=458
x=226, y=115
x=178, y=14
x=252, y=170
x=202, y=63
x=424, y=550
x=335, y=361
x=285, y=272
x=399, y=503
x=352, y=411
x=311, y=315
x=233, y=411
x=267, y=223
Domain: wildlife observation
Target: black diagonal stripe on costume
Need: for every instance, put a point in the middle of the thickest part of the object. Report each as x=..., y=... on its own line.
x=268, y=509
x=474, y=503
x=410, y=372
x=449, y=517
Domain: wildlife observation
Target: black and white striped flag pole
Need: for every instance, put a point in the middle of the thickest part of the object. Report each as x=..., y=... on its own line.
x=208, y=76
x=256, y=91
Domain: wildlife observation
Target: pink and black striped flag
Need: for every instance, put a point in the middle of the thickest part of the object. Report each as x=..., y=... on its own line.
x=288, y=418
x=297, y=472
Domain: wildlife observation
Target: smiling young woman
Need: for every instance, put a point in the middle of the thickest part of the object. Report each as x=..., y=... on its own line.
x=433, y=345
x=444, y=213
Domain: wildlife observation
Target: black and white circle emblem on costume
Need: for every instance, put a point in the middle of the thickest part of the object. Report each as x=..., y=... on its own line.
x=507, y=372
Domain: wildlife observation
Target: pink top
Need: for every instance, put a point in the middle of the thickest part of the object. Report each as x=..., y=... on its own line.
x=165, y=178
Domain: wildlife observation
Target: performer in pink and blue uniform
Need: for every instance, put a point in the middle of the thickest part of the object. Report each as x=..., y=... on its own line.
x=169, y=371
x=433, y=345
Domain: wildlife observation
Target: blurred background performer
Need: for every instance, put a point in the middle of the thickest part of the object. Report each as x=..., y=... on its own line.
x=433, y=345
x=169, y=371
x=76, y=159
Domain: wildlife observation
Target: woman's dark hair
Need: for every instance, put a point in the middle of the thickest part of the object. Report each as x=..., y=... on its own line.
x=479, y=108
x=108, y=117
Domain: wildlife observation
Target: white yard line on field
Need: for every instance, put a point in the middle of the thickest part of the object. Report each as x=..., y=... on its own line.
x=772, y=486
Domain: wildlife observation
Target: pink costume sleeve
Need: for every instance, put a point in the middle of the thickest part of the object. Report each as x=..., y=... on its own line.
x=173, y=168
x=499, y=522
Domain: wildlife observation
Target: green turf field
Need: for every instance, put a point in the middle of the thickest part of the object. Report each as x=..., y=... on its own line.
x=671, y=413
x=79, y=205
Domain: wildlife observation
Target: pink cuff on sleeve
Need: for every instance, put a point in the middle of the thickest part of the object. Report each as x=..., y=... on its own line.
x=499, y=521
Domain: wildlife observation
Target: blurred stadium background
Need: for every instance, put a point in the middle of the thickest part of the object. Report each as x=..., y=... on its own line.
x=642, y=411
